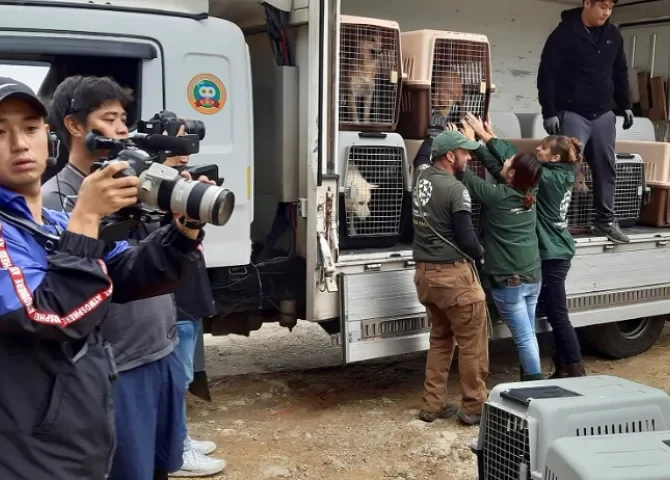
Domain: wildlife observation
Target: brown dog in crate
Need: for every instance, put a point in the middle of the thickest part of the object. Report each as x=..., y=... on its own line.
x=369, y=78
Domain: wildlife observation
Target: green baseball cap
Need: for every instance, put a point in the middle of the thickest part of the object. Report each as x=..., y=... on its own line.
x=449, y=141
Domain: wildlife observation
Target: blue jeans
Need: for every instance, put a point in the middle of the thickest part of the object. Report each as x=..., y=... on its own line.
x=148, y=406
x=517, y=305
x=187, y=331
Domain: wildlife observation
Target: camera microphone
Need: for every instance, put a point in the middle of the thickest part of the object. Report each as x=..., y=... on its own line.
x=95, y=141
x=183, y=145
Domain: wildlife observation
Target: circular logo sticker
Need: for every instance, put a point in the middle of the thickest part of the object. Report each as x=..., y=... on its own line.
x=206, y=94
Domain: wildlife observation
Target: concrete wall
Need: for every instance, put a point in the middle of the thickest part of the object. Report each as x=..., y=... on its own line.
x=516, y=29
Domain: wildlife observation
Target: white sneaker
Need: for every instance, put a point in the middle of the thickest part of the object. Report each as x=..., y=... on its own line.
x=204, y=447
x=199, y=465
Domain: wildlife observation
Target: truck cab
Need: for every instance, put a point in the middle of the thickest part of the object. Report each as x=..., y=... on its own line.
x=273, y=84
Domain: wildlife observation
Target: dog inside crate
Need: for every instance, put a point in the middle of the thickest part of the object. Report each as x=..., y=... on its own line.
x=368, y=71
x=374, y=190
x=459, y=70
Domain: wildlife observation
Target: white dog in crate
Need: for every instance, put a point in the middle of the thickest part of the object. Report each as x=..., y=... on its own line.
x=357, y=195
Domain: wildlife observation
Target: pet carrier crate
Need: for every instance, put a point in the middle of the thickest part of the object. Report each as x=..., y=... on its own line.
x=656, y=212
x=521, y=421
x=370, y=74
x=375, y=189
x=448, y=74
x=633, y=456
x=629, y=192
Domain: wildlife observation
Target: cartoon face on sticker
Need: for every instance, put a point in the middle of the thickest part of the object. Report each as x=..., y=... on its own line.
x=206, y=94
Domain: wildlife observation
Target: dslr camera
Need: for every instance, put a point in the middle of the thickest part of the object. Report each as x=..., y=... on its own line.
x=162, y=189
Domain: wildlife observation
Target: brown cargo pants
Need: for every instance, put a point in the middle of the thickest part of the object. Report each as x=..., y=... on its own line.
x=456, y=307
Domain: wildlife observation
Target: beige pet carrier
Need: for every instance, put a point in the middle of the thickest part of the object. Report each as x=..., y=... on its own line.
x=370, y=74
x=448, y=74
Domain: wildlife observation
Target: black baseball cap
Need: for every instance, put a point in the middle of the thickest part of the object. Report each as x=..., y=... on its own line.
x=10, y=88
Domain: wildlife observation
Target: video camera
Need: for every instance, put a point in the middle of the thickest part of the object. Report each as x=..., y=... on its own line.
x=162, y=188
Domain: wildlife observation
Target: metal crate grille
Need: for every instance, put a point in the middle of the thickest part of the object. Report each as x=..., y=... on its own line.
x=627, y=196
x=506, y=445
x=369, y=74
x=381, y=167
x=459, y=70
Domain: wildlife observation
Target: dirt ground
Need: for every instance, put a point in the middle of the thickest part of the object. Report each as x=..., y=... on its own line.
x=271, y=420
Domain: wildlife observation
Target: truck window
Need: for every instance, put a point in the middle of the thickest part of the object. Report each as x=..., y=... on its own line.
x=43, y=73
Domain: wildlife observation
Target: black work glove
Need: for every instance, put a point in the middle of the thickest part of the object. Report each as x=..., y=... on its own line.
x=552, y=125
x=627, y=119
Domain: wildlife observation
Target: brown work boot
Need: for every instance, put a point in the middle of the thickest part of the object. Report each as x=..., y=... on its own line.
x=469, y=419
x=448, y=411
x=575, y=370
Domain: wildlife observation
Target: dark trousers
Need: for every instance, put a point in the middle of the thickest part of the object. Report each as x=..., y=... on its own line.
x=598, y=136
x=553, y=295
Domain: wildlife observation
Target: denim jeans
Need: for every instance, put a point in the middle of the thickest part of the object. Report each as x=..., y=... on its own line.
x=187, y=331
x=517, y=306
x=568, y=350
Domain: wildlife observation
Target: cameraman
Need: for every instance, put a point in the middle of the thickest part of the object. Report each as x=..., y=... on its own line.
x=56, y=290
x=149, y=394
x=194, y=301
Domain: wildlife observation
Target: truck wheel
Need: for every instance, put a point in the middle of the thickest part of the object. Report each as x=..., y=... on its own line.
x=624, y=339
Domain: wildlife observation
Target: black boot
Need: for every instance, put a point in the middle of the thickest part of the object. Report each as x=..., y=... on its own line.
x=575, y=370
x=559, y=369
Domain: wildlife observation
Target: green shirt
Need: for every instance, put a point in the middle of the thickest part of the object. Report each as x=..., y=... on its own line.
x=510, y=236
x=553, y=202
x=553, y=199
x=437, y=196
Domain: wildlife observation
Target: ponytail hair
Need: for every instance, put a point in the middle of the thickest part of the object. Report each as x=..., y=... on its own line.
x=527, y=172
x=568, y=149
x=528, y=200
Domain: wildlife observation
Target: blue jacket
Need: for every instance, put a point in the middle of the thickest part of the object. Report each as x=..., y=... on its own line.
x=56, y=415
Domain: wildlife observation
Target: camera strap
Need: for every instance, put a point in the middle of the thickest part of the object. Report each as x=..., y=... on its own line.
x=46, y=240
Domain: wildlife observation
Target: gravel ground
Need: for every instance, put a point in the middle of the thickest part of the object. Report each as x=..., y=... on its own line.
x=284, y=408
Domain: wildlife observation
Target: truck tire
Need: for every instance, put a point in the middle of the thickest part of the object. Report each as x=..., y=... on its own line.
x=624, y=339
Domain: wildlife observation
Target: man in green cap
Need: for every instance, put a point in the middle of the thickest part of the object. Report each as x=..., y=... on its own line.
x=446, y=282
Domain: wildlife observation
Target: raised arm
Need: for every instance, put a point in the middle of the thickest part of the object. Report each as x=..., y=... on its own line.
x=64, y=301
x=155, y=267
x=482, y=191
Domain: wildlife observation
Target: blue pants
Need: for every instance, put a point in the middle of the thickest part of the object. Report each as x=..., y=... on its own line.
x=149, y=417
x=187, y=332
x=517, y=306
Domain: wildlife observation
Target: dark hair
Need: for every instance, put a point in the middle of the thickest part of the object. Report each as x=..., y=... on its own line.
x=596, y=1
x=527, y=171
x=79, y=96
x=569, y=149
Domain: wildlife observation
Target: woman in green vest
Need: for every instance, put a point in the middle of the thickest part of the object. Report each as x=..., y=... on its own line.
x=560, y=157
x=511, y=254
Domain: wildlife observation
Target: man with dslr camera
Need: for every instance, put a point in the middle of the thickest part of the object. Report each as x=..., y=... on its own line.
x=57, y=282
x=149, y=393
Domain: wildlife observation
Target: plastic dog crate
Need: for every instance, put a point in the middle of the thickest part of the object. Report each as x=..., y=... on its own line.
x=370, y=74
x=448, y=74
x=521, y=421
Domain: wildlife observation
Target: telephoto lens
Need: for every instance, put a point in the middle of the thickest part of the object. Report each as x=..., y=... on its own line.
x=195, y=127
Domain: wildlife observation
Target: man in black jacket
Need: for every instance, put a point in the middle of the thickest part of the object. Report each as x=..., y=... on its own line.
x=194, y=302
x=583, y=66
x=57, y=282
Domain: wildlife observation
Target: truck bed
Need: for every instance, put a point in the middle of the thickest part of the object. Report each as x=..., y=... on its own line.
x=636, y=233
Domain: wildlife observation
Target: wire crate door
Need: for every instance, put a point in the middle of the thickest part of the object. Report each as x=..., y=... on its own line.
x=460, y=80
x=369, y=76
x=374, y=189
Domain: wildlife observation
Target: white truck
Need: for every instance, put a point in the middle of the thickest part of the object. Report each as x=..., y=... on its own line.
x=272, y=84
